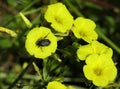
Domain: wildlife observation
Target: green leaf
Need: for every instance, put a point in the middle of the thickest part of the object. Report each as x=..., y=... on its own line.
x=37, y=69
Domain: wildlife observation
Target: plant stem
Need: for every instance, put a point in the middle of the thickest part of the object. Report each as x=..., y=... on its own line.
x=106, y=39
x=30, y=5
x=20, y=76
x=32, y=11
x=37, y=19
x=73, y=8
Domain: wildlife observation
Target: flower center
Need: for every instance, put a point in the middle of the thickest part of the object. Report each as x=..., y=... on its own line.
x=58, y=20
x=98, y=71
x=82, y=34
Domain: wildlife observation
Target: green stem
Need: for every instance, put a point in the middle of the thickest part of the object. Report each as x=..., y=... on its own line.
x=37, y=70
x=45, y=73
x=106, y=39
x=73, y=8
x=30, y=5
x=20, y=76
x=37, y=19
x=32, y=11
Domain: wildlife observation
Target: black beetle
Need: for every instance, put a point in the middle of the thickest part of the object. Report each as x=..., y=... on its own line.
x=43, y=42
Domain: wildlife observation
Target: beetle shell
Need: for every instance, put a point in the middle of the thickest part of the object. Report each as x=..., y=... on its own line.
x=43, y=42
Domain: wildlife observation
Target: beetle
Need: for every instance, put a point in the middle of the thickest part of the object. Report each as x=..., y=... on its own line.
x=43, y=42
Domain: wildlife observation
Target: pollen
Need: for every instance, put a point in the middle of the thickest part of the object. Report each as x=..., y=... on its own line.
x=58, y=20
x=98, y=71
x=82, y=34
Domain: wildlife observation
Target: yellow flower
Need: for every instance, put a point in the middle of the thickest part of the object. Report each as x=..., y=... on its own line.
x=56, y=85
x=41, y=42
x=93, y=48
x=59, y=17
x=70, y=87
x=84, y=29
x=100, y=69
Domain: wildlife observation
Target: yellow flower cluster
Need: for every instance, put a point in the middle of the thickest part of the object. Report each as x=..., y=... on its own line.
x=99, y=67
x=98, y=56
x=62, y=21
x=41, y=43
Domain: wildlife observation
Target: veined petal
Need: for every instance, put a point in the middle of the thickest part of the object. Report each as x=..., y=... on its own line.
x=88, y=73
x=101, y=48
x=93, y=48
x=101, y=81
x=56, y=85
x=84, y=51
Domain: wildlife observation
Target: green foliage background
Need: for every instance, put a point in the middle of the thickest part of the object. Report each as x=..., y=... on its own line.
x=105, y=13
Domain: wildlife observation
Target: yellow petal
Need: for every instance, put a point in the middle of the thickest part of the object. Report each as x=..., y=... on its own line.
x=93, y=48
x=101, y=81
x=101, y=48
x=90, y=36
x=84, y=51
x=56, y=85
x=88, y=72
x=113, y=73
